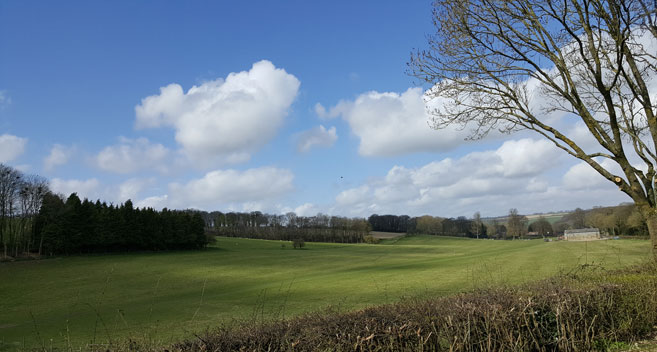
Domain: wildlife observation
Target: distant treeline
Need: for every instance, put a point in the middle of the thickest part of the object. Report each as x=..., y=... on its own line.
x=287, y=227
x=74, y=226
x=430, y=225
x=621, y=220
x=391, y=223
x=324, y=228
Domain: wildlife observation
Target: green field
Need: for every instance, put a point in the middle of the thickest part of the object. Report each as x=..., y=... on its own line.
x=551, y=218
x=162, y=297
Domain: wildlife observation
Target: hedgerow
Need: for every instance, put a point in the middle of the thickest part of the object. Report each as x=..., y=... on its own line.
x=590, y=309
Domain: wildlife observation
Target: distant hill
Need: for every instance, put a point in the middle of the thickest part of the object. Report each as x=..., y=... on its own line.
x=550, y=217
x=619, y=220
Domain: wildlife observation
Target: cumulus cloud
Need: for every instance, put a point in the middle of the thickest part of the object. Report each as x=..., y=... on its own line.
x=11, y=147
x=131, y=188
x=90, y=188
x=59, y=155
x=132, y=155
x=527, y=157
x=582, y=176
x=355, y=201
x=393, y=124
x=306, y=209
x=225, y=120
x=318, y=136
x=94, y=189
x=155, y=202
x=252, y=189
x=221, y=187
x=352, y=196
x=321, y=111
x=513, y=175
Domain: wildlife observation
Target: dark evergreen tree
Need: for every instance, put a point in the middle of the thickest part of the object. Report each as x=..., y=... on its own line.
x=78, y=226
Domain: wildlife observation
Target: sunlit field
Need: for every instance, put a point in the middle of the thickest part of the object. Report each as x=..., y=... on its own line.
x=163, y=297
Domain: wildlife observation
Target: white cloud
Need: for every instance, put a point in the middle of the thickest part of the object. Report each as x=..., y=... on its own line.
x=90, y=188
x=155, y=202
x=94, y=189
x=515, y=175
x=321, y=111
x=393, y=124
x=527, y=157
x=352, y=196
x=132, y=155
x=223, y=121
x=582, y=176
x=59, y=155
x=537, y=185
x=581, y=135
x=306, y=209
x=221, y=187
x=131, y=188
x=11, y=147
x=318, y=136
x=355, y=201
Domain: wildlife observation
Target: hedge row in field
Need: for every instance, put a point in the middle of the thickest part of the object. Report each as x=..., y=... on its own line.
x=575, y=312
x=333, y=235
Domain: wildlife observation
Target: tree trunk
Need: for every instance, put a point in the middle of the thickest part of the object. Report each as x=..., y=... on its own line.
x=650, y=214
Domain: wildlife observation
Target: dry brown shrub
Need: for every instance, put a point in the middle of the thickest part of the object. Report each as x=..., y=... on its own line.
x=587, y=310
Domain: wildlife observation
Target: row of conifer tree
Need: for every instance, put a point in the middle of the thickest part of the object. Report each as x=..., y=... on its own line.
x=74, y=226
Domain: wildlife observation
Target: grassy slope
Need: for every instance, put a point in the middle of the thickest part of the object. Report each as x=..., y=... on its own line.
x=551, y=218
x=164, y=296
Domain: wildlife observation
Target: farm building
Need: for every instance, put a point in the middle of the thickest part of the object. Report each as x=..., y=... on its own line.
x=581, y=234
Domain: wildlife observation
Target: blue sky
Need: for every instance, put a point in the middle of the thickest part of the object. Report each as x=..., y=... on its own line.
x=297, y=106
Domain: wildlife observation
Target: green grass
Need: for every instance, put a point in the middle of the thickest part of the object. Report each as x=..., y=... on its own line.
x=162, y=297
x=551, y=218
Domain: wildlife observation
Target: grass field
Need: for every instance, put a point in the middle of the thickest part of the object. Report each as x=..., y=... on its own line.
x=165, y=296
x=551, y=218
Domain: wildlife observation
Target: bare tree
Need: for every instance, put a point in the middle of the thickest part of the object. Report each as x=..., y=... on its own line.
x=31, y=193
x=10, y=180
x=20, y=200
x=476, y=224
x=542, y=226
x=516, y=224
x=579, y=218
x=491, y=229
x=509, y=65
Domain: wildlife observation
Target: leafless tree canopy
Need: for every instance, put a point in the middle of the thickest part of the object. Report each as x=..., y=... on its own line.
x=20, y=200
x=510, y=65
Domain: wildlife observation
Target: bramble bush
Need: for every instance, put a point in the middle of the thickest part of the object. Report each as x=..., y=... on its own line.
x=298, y=243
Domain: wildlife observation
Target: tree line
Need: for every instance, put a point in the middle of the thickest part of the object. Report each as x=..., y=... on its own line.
x=34, y=220
x=455, y=227
x=74, y=226
x=427, y=224
x=287, y=227
x=621, y=220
